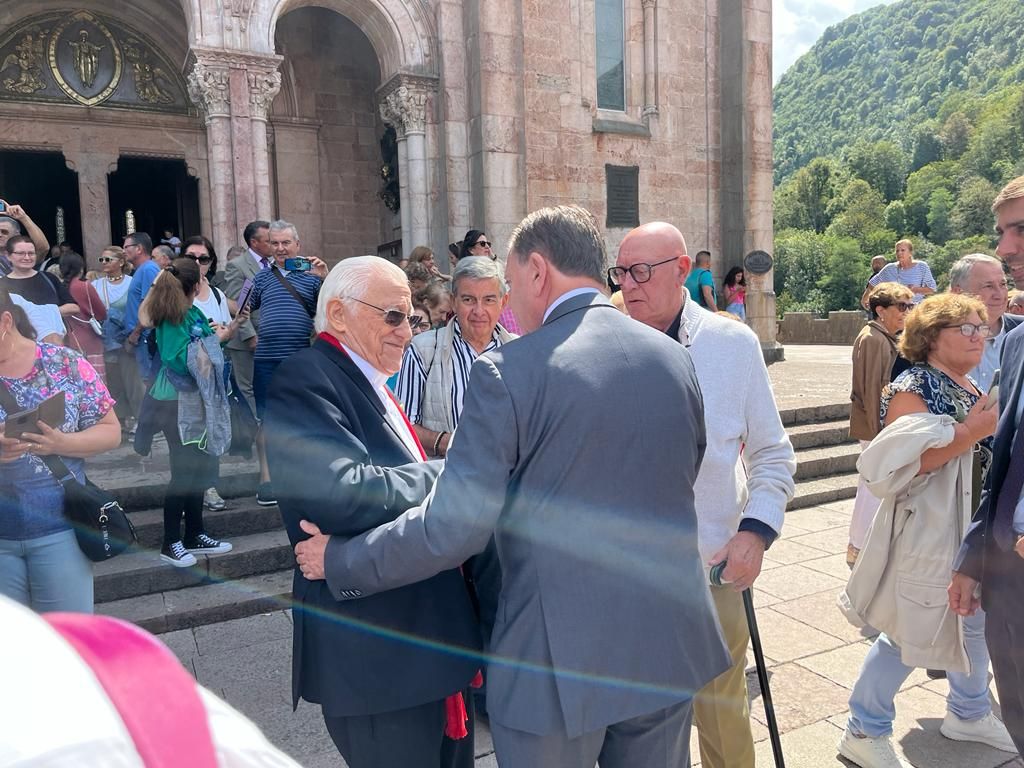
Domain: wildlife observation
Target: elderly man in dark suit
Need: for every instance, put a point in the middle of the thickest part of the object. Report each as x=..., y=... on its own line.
x=389, y=671
x=992, y=552
x=577, y=447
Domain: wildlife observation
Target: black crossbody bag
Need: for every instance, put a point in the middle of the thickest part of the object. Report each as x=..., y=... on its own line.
x=101, y=526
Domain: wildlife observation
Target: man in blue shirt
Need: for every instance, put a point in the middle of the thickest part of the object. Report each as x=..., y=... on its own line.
x=138, y=247
x=700, y=283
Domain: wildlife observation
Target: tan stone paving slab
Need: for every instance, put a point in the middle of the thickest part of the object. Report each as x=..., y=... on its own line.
x=843, y=506
x=763, y=599
x=767, y=564
x=842, y=665
x=812, y=746
x=833, y=565
x=792, y=581
x=820, y=611
x=801, y=697
x=787, y=552
x=832, y=541
x=814, y=519
x=785, y=638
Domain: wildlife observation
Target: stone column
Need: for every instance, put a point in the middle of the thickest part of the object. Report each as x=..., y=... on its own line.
x=404, y=105
x=209, y=86
x=263, y=87
x=650, y=59
x=94, y=200
x=745, y=63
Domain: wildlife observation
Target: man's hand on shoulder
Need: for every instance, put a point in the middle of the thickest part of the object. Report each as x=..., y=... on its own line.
x=310, y=553
x=744, y=551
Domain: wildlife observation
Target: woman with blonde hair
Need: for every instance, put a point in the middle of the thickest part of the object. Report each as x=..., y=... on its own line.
x=875, y=354
x=938, y=427
x=906, y=270
x=122, y=371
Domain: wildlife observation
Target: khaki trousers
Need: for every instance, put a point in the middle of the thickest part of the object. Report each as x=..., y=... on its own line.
x=721, y=710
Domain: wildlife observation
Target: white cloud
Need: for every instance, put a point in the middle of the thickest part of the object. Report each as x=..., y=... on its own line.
x=797, y=25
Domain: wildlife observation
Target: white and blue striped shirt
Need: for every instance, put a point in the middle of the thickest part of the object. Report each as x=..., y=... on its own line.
x=918, y=273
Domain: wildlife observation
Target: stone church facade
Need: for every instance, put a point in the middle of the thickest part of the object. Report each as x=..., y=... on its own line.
x=379, y=125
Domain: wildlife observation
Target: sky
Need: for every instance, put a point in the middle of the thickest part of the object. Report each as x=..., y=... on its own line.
x=799, y=23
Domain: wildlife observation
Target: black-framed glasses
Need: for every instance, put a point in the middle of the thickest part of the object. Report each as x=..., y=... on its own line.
x=205, y=259
x=482, y=244
x=902, y=306
x=969, y=329
x=640, y=273
x=393, y=317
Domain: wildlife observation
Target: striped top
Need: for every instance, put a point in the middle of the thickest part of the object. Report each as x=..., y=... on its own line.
x=412, y=378
x=918, y=273
x=285, y=325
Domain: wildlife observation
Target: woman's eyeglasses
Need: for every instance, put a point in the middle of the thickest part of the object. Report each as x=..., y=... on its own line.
x=969, y=329
x=482, y=244
x=205, y=259
x=902, y=306
x=393, y=317
x=106, y=259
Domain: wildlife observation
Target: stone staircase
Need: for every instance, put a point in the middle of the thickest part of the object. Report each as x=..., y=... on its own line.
x=256, y=576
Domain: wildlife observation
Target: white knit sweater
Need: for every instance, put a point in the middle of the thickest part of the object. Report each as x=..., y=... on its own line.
x=739, y=413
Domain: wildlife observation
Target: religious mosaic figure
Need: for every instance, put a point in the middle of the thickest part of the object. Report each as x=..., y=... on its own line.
x=28, y=58
x=147, y=76
x=86, y=58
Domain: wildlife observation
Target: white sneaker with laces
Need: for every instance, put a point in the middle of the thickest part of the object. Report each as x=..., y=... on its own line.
x=177, y=555
x=870, y=752
x=212, y=500
x=206, y=545
x=987, y=730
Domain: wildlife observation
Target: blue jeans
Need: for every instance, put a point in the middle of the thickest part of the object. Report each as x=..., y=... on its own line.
x=48, y=573
x=872, y=706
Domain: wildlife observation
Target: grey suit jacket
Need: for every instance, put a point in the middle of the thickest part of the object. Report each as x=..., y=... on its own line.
x=577, y=447
x=235, y=274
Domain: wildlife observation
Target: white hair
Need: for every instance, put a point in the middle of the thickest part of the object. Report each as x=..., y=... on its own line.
x=350, y=280
x=477, y=268
x=960, y=272
x=280, y=225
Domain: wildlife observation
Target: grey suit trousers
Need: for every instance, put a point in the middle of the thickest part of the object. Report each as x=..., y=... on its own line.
x=660, y=739
x=241, y=364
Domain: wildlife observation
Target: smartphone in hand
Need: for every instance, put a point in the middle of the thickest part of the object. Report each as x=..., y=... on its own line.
x=993, y=392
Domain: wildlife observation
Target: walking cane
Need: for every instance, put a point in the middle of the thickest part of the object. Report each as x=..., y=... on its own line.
x=762, y=679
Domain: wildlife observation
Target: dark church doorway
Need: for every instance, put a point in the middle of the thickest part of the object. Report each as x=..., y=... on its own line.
x=152, y=195
x=42, y=184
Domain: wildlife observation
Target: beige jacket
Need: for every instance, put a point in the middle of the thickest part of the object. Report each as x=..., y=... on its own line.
x=874, y=352
x=899, y=583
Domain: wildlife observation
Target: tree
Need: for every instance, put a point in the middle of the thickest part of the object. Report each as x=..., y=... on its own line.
x=927, y=146
x=881, y=164
x=804, y=201
x=920, y=186
x=940, y=204
x=800, y=260
x=955, y=136
x=972, y=211
x=848, y=270
x=896, y=217
x=859, y=211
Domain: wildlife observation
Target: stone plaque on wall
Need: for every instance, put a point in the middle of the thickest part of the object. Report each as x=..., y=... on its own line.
x=622, y=194
x=88, y=59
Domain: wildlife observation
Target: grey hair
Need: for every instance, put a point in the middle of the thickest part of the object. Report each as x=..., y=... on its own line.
x=165, y=250
x=960, y=272
x=279, y=225
x=350, y=280
x=566, y=236
x=16, y=224
x=478, y=268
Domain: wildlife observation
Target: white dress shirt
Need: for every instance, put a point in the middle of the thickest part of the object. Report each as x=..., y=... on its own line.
x=565, y=297
x=378, y=382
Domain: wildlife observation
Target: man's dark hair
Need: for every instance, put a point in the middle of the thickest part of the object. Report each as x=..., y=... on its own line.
x=15, y=240
x=252, y=228
x=567, y=237
x=142, y=239
x=702, y=257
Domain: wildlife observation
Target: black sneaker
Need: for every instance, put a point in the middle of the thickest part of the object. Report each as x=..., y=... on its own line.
x=177, y=555
x=265, y=495
x=204, y=545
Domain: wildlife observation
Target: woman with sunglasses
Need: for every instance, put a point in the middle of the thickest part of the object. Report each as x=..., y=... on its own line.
x=219, y=310
x=475, y=243
x=875, y=354
x=122, y=372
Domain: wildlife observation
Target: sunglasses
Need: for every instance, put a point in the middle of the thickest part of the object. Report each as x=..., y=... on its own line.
x=902, y=306
x=201, y=259
x=482, y=244
x=107, y=259
x=393, y=317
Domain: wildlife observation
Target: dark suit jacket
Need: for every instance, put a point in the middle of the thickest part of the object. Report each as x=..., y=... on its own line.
x=578, y=447
x=235, y=274
x=980, y=556
x=336, y=461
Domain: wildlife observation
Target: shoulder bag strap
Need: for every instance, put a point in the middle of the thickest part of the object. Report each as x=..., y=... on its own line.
x=291, y=289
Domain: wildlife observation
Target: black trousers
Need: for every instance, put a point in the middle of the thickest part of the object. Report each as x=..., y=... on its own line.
x=405, y=738
x=1004, y=634
x=191, y=473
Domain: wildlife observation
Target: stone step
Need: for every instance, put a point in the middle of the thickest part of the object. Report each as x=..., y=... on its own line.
x=820, y=434
x=241, y=517
x=142, y=490
x=823, y=490
x=208, y=604
x=142, y=572
x=826, y=461
x=811, y=414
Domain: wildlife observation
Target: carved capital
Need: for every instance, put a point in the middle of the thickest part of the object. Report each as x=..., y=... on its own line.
x=403, y=103
x=648, y=4
x=263, y=87
x=237, y=11
x=210, y=89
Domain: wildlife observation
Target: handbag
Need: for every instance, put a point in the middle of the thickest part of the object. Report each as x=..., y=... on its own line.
x=95, y=324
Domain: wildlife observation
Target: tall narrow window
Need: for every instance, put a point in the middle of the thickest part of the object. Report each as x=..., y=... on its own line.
x=611, y=74
x=61, y=229
x=129, y=222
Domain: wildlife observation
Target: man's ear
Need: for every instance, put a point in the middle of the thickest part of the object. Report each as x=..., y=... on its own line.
x=685, y=265
x=337, y=316
x=537, y=272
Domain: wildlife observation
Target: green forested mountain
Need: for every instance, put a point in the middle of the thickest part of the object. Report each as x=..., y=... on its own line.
x=889, y=73
x=903, y=121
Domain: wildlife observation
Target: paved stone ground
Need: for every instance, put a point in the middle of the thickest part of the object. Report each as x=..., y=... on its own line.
x=812, y=375
x=813, y=654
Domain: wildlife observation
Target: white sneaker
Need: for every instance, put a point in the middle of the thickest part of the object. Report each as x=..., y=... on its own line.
x=177, y=555
x=988, y=730
x=870, y=753
x=212, y=500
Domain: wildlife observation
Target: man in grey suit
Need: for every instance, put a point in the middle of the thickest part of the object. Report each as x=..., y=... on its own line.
x=577, y=447
x=257, y=257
